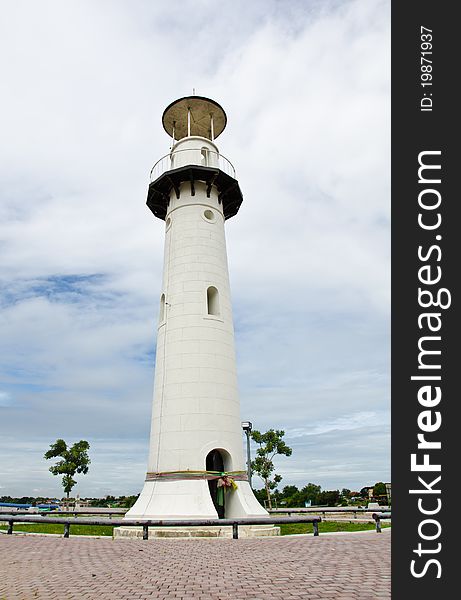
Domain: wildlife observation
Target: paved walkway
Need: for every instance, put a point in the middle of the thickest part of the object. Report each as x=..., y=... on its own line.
x=348, y=567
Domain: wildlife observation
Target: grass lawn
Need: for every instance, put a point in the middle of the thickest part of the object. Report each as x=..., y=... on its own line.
x=52, y=528
x=288, y=529
x=327, y=527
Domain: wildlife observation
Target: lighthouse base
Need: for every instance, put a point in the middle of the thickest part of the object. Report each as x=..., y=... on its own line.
x=245, y=531
x=175, y=500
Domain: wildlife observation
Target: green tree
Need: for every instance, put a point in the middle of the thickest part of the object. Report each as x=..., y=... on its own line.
x=379, y=489
x=75, y=459
x=364, y=492
x=289, y=491
x=345, y=496
x=329, y=497
x=270, y=445
x=310, y=492
x=128, y=501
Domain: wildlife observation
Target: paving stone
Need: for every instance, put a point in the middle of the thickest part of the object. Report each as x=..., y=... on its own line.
x=347, y=567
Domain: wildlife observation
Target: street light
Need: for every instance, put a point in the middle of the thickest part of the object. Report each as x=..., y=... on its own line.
x=247, y=426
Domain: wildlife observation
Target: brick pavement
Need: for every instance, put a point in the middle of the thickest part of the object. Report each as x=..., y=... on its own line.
x=343, y=567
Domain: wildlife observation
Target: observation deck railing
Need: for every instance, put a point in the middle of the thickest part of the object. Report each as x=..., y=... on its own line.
x=191, y=156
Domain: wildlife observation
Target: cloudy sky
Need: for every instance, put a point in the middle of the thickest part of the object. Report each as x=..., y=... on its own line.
x=306, y=87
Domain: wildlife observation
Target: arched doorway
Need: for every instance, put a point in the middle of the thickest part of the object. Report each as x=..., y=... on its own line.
x=215, y=462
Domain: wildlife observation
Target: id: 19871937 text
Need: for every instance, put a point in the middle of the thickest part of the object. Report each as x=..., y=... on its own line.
x=426, y=69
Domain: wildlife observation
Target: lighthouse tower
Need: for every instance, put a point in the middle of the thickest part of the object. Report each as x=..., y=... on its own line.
x=196, y=468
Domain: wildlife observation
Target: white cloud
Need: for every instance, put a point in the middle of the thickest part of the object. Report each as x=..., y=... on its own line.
x=343, y=423
x=5, y=399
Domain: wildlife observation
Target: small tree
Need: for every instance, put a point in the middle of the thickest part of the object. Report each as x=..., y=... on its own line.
x=289, y=491
x=270, y=444
x=345, y=493
x=379, y=490
x=74, y=460
x=310, y=493
x=329, y=497
x=364, y=492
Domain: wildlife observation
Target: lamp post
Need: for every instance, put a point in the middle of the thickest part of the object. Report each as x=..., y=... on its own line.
x=247, y=426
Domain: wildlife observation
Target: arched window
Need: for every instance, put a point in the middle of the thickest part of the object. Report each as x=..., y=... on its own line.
x=212, y=298
x=162, y=309
x=204, y=152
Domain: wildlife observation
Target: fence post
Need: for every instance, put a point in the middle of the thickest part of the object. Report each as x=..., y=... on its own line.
x=145, y=531
x=10, y=527
x=235, y=531
x=316, y=527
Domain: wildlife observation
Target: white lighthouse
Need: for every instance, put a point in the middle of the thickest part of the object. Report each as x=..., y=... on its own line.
x=196, y=468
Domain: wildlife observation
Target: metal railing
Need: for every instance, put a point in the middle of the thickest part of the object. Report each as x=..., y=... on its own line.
x=324, y=510
x=378, y=516
x=108, y=512
x=175, y=160
x=234, y=523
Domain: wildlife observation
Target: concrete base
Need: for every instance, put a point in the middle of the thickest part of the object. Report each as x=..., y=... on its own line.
x=191, y=499
x=245, y=531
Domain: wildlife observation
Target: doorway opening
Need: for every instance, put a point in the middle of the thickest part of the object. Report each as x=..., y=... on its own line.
x=215, y=462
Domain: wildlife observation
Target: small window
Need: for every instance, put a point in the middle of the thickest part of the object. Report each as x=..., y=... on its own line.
x=162, y=309
x=212, y=297
x=204, y=152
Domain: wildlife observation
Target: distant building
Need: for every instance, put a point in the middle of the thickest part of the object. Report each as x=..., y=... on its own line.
x=388, y=492
x=369, y=490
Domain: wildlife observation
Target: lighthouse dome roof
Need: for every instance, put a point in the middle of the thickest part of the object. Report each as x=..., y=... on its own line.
x=207, y=118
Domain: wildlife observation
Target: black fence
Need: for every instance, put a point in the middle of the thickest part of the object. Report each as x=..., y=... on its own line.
x=325, y=510
x=96, y=511
x=378, y=516
x=234, y=523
